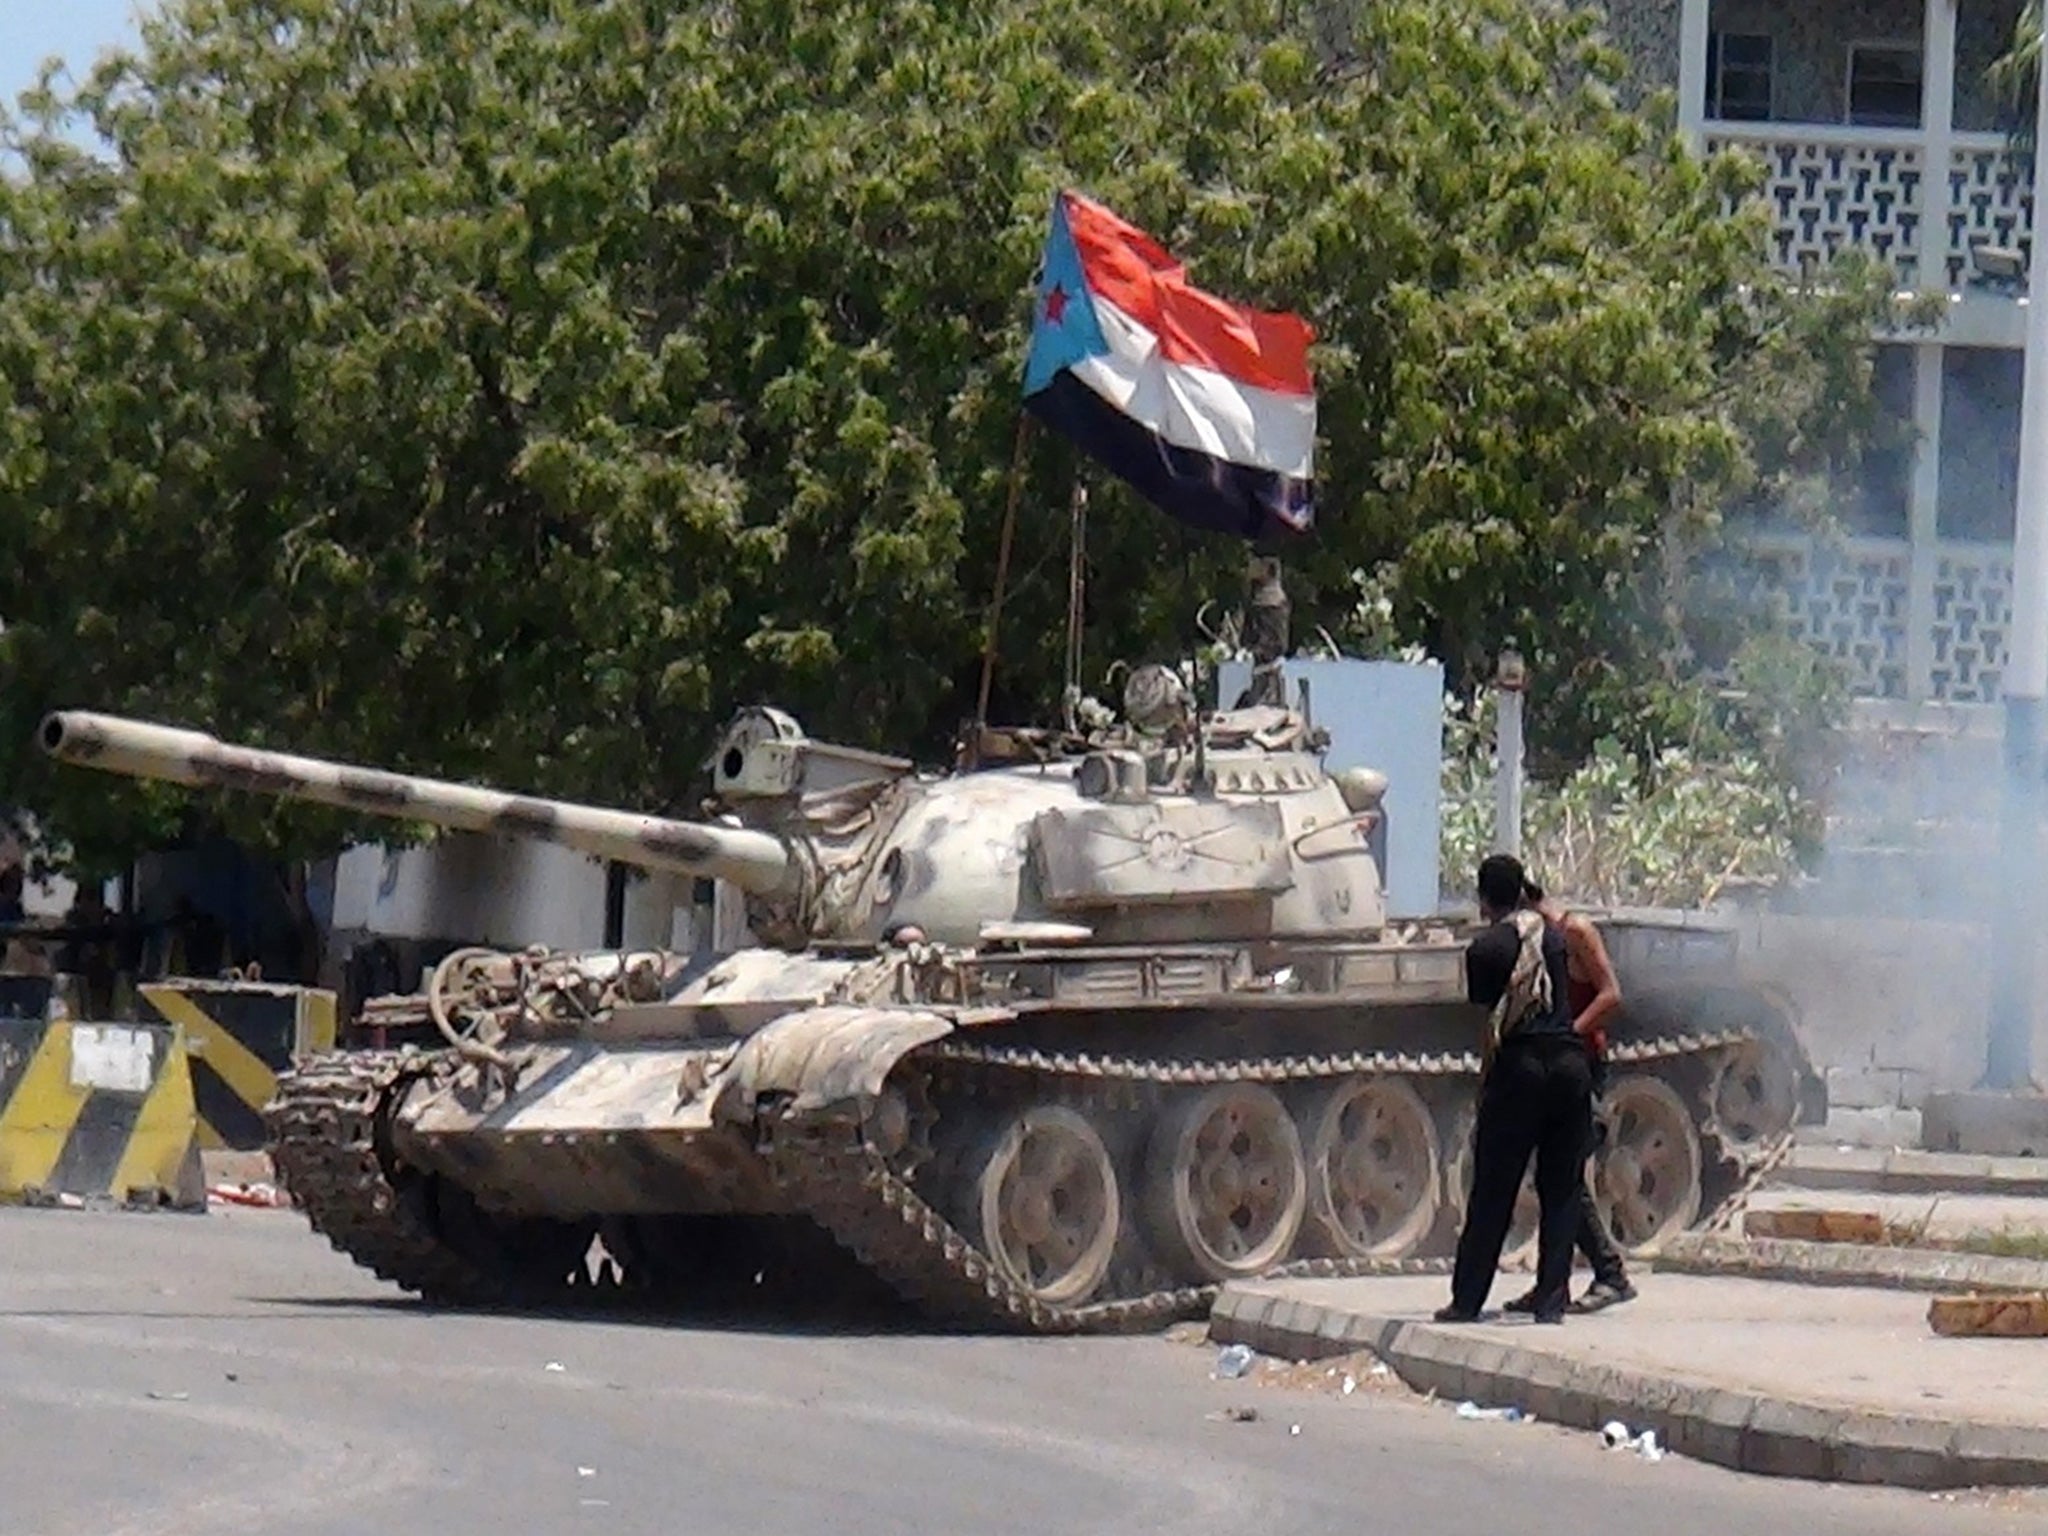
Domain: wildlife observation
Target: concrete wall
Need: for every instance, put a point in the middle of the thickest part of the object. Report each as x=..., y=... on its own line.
x=1888, y=949
x=499, y=891
x=1810, y=45
x=1890, y=1008
x=42, y=898
x=1646, y=31
x=1983, y=31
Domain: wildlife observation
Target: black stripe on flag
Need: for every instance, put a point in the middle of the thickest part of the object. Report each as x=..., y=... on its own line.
x=1196, y=488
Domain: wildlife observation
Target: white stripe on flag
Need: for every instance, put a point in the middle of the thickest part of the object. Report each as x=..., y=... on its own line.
x=1198, y=408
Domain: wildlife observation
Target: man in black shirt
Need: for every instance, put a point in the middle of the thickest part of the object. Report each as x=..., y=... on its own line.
x=1535, y=1095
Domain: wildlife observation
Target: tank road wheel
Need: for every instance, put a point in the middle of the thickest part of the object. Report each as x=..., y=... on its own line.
x=1042, y=1196
x=1752, y=1096
x=1646, y=1180
x=1372, y=1170
x=1226, y=1186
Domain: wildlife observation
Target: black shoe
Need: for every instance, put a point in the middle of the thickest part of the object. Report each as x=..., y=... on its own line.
x=1602, y=1294
x=1549, y=1316
x=1455, y=1314
x=1526, y=1302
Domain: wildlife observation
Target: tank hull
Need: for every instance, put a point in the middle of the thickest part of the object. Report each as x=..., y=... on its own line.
x=590, y=1131
x=948, y=1146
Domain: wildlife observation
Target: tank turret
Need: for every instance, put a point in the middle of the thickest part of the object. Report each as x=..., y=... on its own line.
x=1167, y=826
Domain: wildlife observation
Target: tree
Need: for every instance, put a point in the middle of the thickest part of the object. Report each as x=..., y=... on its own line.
x=2013, y=75
x=508, y=388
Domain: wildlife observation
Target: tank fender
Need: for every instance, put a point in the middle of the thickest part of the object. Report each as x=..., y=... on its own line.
x=823, y=1059
x=1679, y=1004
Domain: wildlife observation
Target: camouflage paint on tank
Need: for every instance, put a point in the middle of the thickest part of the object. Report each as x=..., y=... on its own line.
x=754, y=860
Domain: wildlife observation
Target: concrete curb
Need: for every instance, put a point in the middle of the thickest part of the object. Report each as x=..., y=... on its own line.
x=1803, y=1263
x=1747, y=1431
x=1912, y=1173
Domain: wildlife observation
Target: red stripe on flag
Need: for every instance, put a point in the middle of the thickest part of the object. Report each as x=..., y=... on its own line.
x=1134, y=272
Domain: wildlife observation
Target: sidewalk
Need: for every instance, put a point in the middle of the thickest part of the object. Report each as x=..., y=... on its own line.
x=1840, y=1384
x=1941, y=1214
x=1906, y=1171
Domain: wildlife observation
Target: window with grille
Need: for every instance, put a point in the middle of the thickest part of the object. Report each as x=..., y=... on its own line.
x=1739, y=76
x=1880, y=500
x=1884, y=85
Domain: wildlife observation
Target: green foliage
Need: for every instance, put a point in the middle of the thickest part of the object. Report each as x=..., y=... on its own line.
x=509, y=388
x=2014, y=76
x=1715, y=789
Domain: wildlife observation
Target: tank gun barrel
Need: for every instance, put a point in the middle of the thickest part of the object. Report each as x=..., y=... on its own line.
x=755, y=861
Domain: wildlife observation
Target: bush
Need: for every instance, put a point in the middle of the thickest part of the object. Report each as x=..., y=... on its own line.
x=1732, y=801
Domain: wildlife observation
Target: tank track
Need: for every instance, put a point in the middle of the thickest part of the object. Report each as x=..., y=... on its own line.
x=873, y=1211
x=326, y=1122
x=324, y=1126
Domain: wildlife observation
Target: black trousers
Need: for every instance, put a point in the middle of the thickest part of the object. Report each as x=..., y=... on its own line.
x=1591, y=1237
x=1537, y=1098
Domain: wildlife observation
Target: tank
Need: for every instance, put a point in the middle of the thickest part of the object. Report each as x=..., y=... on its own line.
x=1061, y=1037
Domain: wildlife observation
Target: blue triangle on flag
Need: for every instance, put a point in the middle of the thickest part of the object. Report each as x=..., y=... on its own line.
x=1064, y=330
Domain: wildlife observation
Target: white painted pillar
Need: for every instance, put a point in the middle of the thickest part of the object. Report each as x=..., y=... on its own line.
x=1510, y=682
x=1923, y=528
x=1507, y=801
x=1694, y=17
x=652, y=897
x=1937, y=117
x=2021, y=908
x=2026, y=672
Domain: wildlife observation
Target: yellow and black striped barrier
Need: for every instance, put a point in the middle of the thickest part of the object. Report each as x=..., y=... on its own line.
x=240, y=1035
x=97, y=1112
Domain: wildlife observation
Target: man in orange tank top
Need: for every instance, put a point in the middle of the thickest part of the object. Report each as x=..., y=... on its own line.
x=1595, y=996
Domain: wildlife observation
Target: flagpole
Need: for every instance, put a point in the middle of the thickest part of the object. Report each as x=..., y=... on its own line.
x=995, y=611
x=1077, y=521
x=1190, y=605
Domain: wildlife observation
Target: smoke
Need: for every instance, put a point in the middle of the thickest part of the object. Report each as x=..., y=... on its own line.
x=1912, y=821
x=1890, y=936
x=1915, y=792
x=1897, y=918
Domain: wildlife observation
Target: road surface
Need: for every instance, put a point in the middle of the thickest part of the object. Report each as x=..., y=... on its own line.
x=186, y=1376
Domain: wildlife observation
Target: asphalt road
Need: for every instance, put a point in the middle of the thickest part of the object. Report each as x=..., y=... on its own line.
x=183, y=1376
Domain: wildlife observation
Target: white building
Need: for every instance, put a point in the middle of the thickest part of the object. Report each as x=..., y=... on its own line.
x=1880, y=130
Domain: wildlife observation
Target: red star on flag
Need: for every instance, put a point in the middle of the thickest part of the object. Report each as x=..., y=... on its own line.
x=1056, y=304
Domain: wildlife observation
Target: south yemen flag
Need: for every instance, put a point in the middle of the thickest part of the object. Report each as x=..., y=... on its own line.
x=1204, y=406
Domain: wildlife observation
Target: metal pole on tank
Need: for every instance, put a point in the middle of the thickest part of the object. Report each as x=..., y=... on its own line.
x=1511, y=681
x=2009, y=1057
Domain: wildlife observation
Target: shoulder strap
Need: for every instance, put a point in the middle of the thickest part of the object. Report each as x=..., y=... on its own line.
x=1528, y=988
